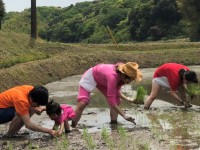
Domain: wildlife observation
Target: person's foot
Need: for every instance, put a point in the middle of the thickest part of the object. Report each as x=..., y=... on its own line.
x=188, y=105
x=113, y=122
x=73, y=124
x=67, y=131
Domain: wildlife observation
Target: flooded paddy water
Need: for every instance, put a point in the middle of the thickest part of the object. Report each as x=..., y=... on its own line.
x=167, y=125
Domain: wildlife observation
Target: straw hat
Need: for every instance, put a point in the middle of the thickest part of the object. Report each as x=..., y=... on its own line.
x=131, y=70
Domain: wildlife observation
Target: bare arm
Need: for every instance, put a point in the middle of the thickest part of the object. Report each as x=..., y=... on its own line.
x=39, y=110
x=34, y=127
x=173, y=93
x=119, y=111
x=61, y=129
x=123, y=97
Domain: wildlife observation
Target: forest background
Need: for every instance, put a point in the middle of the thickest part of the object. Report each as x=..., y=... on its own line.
x=129, y=20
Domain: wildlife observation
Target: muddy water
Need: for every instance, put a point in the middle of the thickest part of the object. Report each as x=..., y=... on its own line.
x=167, y=120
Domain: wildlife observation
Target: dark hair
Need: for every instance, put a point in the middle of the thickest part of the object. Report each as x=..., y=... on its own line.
x=191, y=76
x=40, y=95
x=181, y=73
x=53, y=108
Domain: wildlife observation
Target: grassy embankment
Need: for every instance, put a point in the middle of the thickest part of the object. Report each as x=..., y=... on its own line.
x=45, y=62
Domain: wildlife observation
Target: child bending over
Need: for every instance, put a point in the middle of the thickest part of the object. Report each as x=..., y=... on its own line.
x=61, y=114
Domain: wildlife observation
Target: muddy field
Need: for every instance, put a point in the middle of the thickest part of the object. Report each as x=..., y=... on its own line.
x=165, y=126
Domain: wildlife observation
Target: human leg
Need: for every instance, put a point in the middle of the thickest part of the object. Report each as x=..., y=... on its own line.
x=16, y=124
x=79, y=110
x=67, y=127
x=83, y=100
x=154, y=92
x=113, y=116
x=6, y=114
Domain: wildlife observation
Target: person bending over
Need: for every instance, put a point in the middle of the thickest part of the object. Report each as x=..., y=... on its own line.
x=61, y=114
x=108, y=79
x=19, y=103
x=171, y=76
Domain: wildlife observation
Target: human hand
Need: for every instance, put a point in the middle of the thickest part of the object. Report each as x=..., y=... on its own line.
x=129, y=119
x=53, y=133
x=187, y=105
x=130, y=99
x=39, y=110
x=193, y=96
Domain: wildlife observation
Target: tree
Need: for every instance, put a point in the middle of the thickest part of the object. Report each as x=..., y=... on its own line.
x=154, y=20
x=164, y=18
x=190, y=9
x=33, y=20
x=2, y=11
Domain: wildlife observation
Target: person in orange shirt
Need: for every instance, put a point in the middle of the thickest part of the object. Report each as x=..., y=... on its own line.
x=19, y=103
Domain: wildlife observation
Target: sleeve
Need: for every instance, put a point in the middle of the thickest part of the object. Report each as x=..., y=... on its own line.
x=21, y=107
x=68, y=113
x=112, y=91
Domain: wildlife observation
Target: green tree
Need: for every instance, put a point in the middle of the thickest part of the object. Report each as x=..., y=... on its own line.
x=2, y=11
x=190, y=9
x=164, y=16
x=139, y=21
x=153, y=20
x=113, y=17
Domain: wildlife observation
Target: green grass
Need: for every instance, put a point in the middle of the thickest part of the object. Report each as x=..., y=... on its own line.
x=40, y=62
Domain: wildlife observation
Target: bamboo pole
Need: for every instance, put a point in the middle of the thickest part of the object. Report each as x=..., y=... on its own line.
x=111, y=35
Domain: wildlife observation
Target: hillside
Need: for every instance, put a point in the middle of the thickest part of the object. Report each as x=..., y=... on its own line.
x=86, y=22
x=44, y=62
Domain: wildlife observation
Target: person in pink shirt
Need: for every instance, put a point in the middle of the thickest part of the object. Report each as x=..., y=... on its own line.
x=108, y=79
x=61, y=114
x=171, y=76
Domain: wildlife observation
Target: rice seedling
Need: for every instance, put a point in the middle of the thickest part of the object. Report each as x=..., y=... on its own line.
x=65, y=142
x=140, y=95
x=146, y=146
x=140, y=145
x=33, y=146
x=123, y=136
x=122, y=132
x=193, y=89
x=106, y=137
x=62, y=142
x=158, y=134
x=10, y=146
x=88, y=138
x=58, y=145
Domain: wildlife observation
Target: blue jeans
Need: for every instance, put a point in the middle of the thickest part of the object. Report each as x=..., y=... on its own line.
x=6, y=114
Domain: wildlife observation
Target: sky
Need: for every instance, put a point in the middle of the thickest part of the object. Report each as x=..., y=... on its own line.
x=20, y=5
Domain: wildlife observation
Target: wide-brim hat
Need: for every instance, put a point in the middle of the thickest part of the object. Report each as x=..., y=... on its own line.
x=131, y=70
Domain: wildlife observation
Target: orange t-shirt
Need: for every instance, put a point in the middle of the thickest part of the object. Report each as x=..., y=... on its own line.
x=16, y=97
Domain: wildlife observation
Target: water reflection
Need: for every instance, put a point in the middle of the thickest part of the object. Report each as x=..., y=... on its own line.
x=181, y=127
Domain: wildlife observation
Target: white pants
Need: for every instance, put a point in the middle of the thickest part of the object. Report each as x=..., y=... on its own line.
x=87, y=81
x=162, y=81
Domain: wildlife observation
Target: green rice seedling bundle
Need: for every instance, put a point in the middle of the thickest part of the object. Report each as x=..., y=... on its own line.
x=140, y=95
x=193, y=89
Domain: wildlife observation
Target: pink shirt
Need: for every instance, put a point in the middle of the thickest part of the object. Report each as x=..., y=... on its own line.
x=67, y=113
x=108, y=82
x=170, y=71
